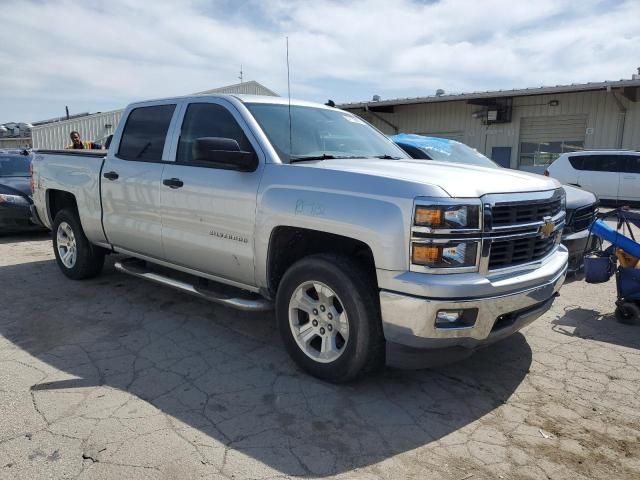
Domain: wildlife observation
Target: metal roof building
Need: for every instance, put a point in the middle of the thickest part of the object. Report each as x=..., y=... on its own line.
x=97, y=126
x=521, y=128
x=245, y=88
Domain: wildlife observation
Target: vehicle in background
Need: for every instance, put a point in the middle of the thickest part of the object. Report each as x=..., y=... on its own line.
x=582, y=206
x=613, y=175
x=255, y=202
x=15, y=192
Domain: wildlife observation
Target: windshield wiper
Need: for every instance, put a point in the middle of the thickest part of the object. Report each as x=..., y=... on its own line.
x=386, y=157
x=324, y=156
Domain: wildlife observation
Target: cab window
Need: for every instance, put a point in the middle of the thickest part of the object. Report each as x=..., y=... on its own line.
x=208, y=120
x=145, y=133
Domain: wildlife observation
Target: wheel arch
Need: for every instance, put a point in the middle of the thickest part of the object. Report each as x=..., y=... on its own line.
x=288, y=244
x=59, y=200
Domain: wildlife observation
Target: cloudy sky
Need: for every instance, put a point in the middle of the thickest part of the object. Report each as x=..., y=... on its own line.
x=100, y=55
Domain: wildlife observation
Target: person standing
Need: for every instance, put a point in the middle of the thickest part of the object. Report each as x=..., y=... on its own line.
x=78, y=143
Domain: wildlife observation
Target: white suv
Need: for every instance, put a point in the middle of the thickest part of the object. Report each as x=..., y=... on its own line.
x=610, y=174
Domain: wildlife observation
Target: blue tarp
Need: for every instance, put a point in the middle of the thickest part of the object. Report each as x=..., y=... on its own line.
x=420, y=141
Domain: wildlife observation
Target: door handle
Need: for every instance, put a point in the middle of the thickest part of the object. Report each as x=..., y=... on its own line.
x=173, y=182
x=110, y=175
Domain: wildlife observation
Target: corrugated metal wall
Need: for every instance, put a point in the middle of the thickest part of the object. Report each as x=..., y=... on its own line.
x=631, y=138
x=247, y=88
x=92, y=127
x=601, y=110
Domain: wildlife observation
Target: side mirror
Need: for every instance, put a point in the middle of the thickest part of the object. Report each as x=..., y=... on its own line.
x=224, y=152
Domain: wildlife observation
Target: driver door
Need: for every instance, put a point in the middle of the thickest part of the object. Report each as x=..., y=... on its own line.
x=208, y=212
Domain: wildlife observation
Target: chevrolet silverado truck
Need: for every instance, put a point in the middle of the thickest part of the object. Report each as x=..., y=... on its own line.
x=367, y=256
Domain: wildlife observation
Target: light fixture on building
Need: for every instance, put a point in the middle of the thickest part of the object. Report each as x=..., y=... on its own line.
x=107, y=125
x=554, y=103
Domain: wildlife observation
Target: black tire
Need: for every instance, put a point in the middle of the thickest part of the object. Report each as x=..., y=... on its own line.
x=628, y=313
x=364, y=350
x=89, y=259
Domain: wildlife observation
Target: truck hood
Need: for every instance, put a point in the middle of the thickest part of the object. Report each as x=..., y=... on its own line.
x=457, y=180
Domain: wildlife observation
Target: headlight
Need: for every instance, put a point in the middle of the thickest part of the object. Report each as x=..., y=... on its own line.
x=453, y=254
x=446, y=235
x=448, y=217
x=13, y=199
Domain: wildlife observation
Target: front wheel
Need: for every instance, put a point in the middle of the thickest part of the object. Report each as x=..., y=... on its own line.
x=75, y=255
x=328, y=315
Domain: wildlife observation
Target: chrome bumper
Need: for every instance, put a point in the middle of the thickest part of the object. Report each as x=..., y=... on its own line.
x=409, y=320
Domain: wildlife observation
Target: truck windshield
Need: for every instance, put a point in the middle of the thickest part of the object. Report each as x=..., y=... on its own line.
x=14, y=166
x=320, y=134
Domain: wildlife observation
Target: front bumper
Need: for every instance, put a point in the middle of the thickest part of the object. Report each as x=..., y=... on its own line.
x=409, y=321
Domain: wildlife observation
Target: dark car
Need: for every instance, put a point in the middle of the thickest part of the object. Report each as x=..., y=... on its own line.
x=582, y=205
x=15, y=193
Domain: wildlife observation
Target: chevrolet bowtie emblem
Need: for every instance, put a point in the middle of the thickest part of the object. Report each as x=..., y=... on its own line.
x=546, y=229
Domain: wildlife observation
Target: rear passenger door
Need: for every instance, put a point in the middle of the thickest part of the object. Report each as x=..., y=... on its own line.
x=130, y=182
x=208, y=212
x=630, y=178
x=600, y=174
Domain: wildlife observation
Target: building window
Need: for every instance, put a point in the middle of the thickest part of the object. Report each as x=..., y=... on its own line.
x=543, y=154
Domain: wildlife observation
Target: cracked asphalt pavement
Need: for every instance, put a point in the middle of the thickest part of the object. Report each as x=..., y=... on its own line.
x=119, y=378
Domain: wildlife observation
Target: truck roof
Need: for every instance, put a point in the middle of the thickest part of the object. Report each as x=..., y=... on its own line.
x=237, y=97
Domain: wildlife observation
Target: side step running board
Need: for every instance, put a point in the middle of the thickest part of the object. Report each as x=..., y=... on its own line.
x=138, y=268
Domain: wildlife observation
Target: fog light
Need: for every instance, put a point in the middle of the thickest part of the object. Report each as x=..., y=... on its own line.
x=463, y=318
x=445, y=316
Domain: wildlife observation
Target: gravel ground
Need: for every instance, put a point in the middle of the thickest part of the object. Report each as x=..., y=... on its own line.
x=119, y=378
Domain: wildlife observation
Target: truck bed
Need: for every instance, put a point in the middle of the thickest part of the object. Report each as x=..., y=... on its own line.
x=77, y=172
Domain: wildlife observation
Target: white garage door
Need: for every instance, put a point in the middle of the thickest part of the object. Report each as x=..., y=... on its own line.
x=543, y=139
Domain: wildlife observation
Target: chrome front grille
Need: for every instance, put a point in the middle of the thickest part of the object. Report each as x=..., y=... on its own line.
x=514, y=228
x=508, y=253
x=512, y=213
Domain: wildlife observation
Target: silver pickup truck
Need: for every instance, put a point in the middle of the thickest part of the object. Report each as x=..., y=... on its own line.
x=257, y=202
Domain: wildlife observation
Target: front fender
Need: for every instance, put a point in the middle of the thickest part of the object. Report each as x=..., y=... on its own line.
x=375, y=210
x=381, y=225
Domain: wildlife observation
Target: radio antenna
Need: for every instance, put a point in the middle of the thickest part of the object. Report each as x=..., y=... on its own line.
x=289, y=95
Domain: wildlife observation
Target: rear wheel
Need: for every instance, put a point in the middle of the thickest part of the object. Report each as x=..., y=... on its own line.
x=329, y=318
x=75, y=255
x=628, y=313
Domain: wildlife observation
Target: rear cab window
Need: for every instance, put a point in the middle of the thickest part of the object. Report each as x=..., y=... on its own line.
x=145, y=133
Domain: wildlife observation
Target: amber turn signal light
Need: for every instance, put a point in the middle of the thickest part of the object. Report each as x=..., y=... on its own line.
x=428, y=216
x=426, y=254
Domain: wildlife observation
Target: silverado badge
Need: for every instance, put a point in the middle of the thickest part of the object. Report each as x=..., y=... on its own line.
x=546, y=229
